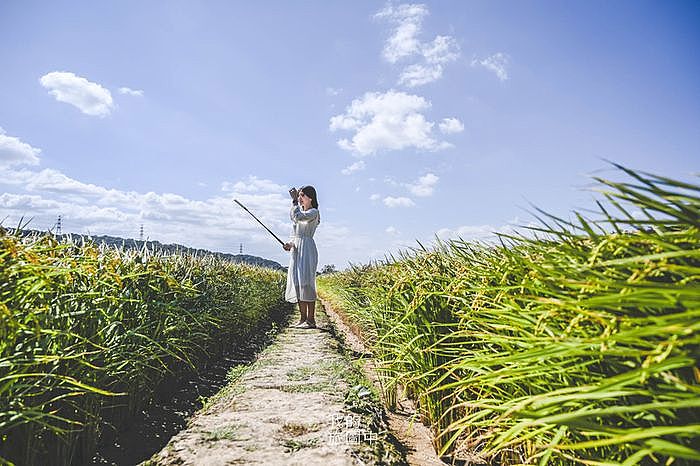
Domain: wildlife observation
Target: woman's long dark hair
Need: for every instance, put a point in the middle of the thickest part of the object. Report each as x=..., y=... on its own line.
x=310, y=191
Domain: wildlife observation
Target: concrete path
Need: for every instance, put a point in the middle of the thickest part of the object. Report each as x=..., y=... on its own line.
x=288, y=408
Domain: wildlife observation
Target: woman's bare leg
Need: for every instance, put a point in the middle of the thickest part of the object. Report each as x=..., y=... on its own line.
x=302, y=311
x=310, y=308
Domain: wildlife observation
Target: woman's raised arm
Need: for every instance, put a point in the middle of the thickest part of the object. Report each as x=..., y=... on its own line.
x=298, y=215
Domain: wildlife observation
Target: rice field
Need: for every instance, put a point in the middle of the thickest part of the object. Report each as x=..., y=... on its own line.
x=89, y=334
x=572, y=342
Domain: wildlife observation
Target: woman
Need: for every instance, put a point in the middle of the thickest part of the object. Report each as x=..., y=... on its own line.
x=301, y=275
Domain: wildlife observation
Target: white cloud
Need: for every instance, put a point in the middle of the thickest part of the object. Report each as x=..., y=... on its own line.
x=404, y=43
x=388, y=121
x=359, y=165
x=497, y=63
x=15, y=152
x=407, y=20
x=58, y=185
x=54, y=181
x=168, y=217
x=392, y=231
x=481, y=233
x=467, y=232
x=424, y=186
x=253, y=185
x=398, y=202
x=24, y=202
x=390, y=181
x=451, y=125
x=128, y=91
x=216, y=223
x=442, y=50
x=340, y=244
x=417, y=75
x=90, y=98
x=375, y=197
x=331, y=91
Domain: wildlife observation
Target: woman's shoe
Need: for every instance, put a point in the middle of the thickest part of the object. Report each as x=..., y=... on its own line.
x=298, y=324
x=311, y=324
x=307, y=324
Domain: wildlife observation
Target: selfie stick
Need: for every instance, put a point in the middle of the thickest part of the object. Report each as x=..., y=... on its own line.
x=256, y=218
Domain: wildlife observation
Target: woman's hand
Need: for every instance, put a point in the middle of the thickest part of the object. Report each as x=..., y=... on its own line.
x=294, y=194
x=287, y=246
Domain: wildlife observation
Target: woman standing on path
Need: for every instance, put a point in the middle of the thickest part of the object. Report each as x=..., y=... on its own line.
x=301, y=275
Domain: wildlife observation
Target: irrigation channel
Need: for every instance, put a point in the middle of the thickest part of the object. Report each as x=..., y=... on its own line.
x=151, y=430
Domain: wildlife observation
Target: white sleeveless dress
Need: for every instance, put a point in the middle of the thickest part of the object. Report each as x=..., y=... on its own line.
x=301, y=275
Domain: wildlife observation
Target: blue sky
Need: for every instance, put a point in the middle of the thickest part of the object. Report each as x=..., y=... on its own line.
x=412, y=120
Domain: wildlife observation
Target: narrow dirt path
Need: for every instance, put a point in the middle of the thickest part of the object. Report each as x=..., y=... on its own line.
x=301, y=403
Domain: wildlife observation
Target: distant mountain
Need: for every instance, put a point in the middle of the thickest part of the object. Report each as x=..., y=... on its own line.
x=168, y=248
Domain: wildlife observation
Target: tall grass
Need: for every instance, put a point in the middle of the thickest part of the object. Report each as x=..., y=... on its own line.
x=574, y=342
x=88, y=334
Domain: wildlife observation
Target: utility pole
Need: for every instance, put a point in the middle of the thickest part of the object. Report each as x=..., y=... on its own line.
x=240, y=250
x=141, y=233
x=58, y=226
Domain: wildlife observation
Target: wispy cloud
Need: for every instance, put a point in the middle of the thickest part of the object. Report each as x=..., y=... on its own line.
x=496, y=63
x=436, y=56
x=133, y=92
x=392, y=231
x=417, y=75
x=424, y=186
x=13, y=151
x=407, y=20
x=332, y=91
x=89, y=97
x=442, y=50
x=451, y=126
x=391, y=181
x=350, y=169
x=375, y=197
x=392, y=202
x=253, y=185
x=52, y=181
x=386, y=121
x=485, y=233
x=404, y=43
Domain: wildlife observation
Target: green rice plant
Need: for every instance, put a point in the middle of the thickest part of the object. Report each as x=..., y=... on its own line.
x=89, y=334
x=573, y=342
